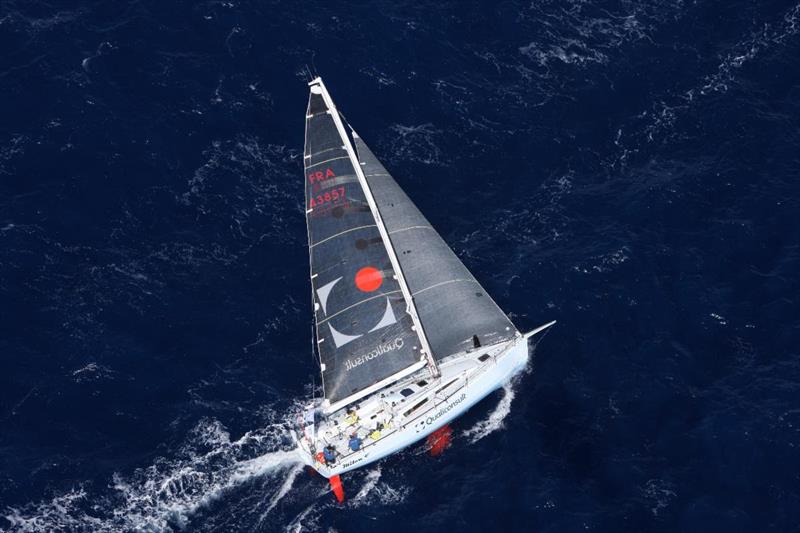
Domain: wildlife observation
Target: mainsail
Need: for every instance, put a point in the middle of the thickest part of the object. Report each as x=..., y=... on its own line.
x=452, y=306
x=366, y=336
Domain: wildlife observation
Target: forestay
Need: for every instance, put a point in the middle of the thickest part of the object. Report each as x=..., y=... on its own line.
x=365, y=335
x=450, y=303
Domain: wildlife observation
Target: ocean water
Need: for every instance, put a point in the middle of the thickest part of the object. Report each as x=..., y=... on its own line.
x=629, y=168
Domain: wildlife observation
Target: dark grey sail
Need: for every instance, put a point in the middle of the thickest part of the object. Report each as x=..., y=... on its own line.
x=452, y=306
x=365, y=336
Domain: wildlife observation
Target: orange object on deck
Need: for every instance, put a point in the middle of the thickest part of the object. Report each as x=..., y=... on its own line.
x=439, y=440
x=338, y=490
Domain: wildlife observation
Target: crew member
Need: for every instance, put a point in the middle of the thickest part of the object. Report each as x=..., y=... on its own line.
x=329, y=453
x=352, y=417
x=376, y=433
x=355, y=442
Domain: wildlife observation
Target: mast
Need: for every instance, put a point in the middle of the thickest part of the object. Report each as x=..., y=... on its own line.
x=410, y=307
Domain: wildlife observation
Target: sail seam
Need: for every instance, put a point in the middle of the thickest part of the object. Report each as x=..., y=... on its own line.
x=445, y=283
x=410, y=228
x=315, y=154
x=327, y=161
x=327, y=318
x=326, y=239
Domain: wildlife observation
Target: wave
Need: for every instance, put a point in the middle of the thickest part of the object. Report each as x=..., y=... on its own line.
x=307, y=520
x=496, y=420
x=374, y=492
x=283, y=491
x=165, y=495
x=658, y=493
x=415, y=144
x=766, y=37
x=656, y=123
x=369, y=483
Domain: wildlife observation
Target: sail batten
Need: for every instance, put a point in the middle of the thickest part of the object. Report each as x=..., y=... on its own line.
x=341, y=233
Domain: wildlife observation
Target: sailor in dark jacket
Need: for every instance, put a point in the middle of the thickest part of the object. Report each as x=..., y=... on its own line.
x=329, y=453
x=355, y=442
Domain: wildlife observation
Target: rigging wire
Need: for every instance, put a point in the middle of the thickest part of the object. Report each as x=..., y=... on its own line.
x=344, y=119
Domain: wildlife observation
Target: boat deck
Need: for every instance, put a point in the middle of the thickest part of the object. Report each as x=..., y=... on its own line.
x=397, y=406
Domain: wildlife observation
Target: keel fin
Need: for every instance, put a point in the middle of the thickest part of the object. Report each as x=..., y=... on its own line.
x=336, y=486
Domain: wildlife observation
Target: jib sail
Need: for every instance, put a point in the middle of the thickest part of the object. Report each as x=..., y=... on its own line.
x=451, y=305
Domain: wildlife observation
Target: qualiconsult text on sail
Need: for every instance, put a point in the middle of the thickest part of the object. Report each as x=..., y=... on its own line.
x=380, y=350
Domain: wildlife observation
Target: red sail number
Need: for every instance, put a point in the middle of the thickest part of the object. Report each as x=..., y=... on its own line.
x=333, y=195
x=316, y=177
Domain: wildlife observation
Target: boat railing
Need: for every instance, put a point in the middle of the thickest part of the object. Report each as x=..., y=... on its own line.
x=479, y=370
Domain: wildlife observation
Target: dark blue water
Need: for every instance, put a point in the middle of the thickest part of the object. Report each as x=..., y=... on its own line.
x=628, y=168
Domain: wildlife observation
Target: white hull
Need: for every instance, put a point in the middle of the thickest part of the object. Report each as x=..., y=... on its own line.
x=465, y=380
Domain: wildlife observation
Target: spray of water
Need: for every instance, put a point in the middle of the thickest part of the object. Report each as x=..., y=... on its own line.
x=166, y=494
x=367, y=485
x=283, y=491
x=496, y=420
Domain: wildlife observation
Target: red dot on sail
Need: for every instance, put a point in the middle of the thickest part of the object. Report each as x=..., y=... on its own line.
x=368, y=279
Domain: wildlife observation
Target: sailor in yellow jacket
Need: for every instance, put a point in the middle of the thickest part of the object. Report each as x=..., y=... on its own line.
x=376, y=433
x=352, y=417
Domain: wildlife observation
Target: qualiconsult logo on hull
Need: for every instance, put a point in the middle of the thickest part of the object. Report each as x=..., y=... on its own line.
x=380, y=350
x=443, y=411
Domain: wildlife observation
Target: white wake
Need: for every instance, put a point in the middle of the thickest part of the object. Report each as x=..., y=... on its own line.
x=283, y=491
x=373, y=492
x=496, y=420
x=367, y=485
x=166, y=494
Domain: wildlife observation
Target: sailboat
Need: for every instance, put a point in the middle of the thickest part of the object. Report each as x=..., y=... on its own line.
x=407, y=338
